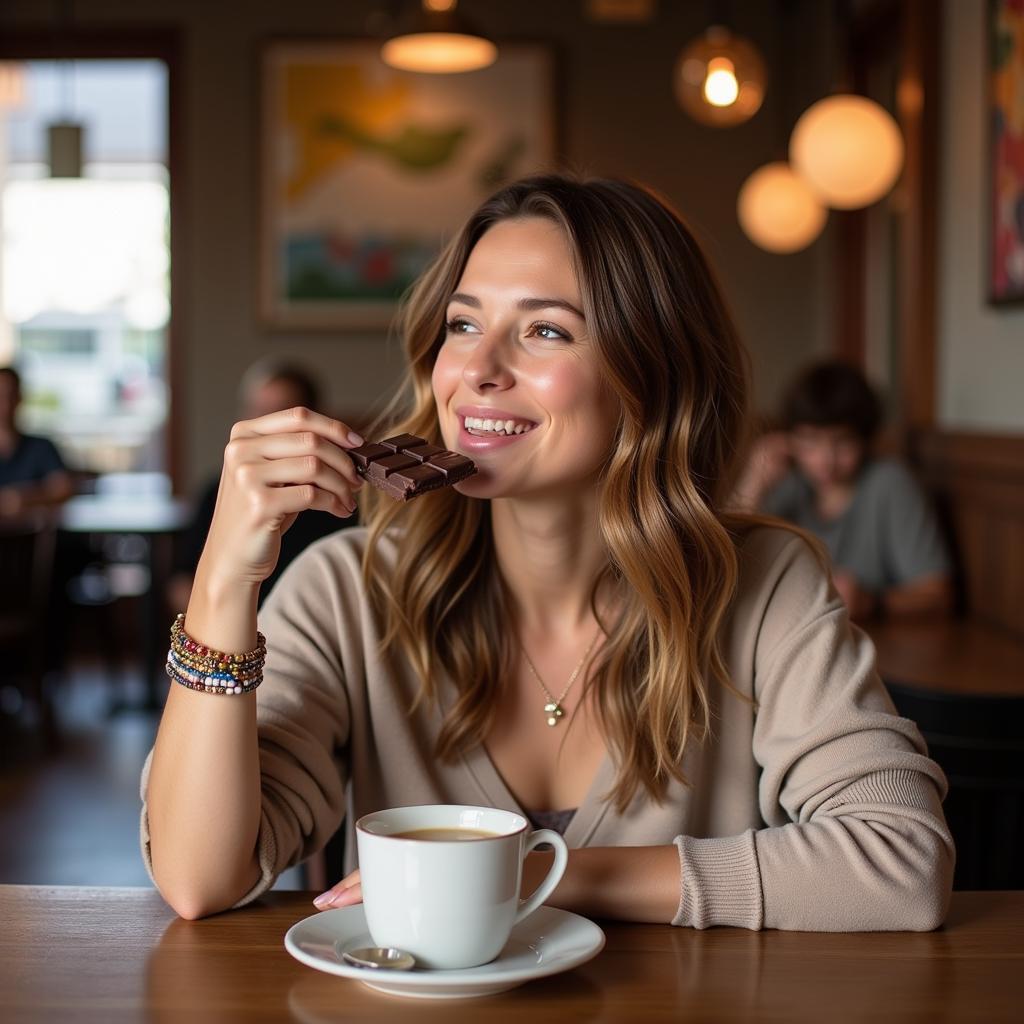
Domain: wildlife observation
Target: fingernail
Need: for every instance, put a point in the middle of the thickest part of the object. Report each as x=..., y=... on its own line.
x=325, y=899
x=355, y=438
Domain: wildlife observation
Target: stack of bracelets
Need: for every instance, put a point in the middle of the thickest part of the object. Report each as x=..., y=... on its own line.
x=209, y=671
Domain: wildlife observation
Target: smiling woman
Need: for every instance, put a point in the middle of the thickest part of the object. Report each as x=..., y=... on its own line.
x=579, y=632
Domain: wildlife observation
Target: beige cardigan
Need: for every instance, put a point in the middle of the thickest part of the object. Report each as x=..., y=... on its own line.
x=818, y=810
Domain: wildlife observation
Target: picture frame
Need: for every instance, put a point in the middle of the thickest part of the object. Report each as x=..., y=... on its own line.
x=366, y=171
x=1006, y=151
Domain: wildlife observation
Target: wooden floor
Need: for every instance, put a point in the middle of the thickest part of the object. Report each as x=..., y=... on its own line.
x=71, y=817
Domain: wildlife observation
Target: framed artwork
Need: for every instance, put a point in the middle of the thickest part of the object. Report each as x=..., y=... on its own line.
x=366, y=171
x=1006, y=154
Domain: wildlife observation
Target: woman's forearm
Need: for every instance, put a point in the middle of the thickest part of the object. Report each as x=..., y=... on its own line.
x=625, y=883
x=203, y=796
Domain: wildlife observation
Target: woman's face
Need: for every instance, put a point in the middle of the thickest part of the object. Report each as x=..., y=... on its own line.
x=517, y=382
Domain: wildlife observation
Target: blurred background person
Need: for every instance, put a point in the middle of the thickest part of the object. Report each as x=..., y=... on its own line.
x=267, y=386
x=32, y=473
x=820, y=472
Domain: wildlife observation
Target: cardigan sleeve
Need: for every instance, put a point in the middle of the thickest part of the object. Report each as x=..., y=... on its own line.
x=302, y=720
x=855, y=838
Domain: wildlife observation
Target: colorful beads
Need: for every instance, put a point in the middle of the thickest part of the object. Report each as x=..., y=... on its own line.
x=202, y=668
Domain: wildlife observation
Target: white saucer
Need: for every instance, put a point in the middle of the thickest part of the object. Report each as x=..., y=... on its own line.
x=549, y=941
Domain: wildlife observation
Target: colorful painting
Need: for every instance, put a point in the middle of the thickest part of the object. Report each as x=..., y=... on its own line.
x=1006, y=277
x=366, y=171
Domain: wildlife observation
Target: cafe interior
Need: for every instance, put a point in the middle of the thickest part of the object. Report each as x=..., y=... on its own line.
x=209, y=211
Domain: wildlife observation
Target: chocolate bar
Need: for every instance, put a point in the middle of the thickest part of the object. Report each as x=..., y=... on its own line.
x=406, y=466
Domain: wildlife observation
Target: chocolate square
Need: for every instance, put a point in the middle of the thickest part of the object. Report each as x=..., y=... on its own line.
x=422, y=452
x=450, y=463
x=400, y=441
x=380, y=469
x=367, y=453
x=416, y=479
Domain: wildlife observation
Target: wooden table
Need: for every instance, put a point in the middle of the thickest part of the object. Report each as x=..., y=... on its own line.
x=958, y=657
x=112, y=955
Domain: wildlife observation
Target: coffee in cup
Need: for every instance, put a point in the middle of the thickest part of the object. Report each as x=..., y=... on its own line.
x=442, y=881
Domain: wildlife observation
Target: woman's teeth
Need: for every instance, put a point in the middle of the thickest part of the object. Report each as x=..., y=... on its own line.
x=482, y=426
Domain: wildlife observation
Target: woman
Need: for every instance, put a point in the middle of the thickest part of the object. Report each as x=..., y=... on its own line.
x=726, y=753
x=820, y=472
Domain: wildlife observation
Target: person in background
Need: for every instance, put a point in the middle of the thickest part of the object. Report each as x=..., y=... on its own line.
x=32, y=473
x=819, y=472
x=268, y=386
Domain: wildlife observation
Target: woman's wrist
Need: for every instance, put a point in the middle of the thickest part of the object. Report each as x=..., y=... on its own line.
x=222, y=614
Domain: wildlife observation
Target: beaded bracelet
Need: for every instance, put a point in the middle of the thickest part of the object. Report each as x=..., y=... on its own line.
x=208, y=670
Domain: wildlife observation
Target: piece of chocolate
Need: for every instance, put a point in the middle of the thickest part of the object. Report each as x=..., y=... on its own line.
x=402, y=441
x=365, y=454
x=380, y=469
x=406, y=465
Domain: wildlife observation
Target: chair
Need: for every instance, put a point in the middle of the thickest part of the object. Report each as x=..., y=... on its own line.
x=26, y=565
x=978, y=742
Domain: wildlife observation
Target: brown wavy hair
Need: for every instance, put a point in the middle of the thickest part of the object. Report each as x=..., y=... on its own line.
x=669, y=349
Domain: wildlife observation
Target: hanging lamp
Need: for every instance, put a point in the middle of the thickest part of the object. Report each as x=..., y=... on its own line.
x=850, y=150
x=438, y=40
x=778, y=210
x=720, y=78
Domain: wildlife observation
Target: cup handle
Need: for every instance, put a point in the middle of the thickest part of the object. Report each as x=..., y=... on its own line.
x=554, y=876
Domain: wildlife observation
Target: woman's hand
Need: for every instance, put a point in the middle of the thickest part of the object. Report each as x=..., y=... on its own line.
x=275, y=467
x=347, y=892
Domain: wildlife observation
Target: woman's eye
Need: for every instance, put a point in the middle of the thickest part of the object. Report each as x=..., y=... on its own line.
x=554, y=333
x=452, y=326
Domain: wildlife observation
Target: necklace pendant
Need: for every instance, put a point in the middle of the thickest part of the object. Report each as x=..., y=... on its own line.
x=554, y=712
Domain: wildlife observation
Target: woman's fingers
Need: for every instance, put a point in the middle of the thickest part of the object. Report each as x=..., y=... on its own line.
x=276, y=502
x=304, y=443
x=302, y=469
x=347, y=892
x=298, y=419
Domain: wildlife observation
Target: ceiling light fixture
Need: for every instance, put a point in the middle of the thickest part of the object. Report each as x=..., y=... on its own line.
x=438, y=40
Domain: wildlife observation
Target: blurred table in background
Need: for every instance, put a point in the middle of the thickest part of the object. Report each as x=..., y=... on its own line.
x=957, y=657
x=962, y=682
x=116, y=955
x=137, y=505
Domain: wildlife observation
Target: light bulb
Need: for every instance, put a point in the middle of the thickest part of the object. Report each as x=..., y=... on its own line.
x=721, y=87
x=719, y=78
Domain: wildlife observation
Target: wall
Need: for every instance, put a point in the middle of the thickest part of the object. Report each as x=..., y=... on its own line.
x=620, y=119
x=981, y=347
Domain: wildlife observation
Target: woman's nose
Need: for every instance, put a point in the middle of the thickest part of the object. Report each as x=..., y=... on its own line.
x=487, y=368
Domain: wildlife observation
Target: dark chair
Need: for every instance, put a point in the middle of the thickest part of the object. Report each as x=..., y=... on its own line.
x=26, y=565
x=979, y=743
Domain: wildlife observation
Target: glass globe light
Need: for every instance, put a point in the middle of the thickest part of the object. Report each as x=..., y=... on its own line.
x=778, y=210
x=849, y=149
x=720, y=78
x=438, y=40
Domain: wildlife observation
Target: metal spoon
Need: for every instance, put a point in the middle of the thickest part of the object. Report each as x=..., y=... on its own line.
x=380, y=958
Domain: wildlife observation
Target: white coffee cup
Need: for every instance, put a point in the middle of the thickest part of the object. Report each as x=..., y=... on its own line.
x=451, y=902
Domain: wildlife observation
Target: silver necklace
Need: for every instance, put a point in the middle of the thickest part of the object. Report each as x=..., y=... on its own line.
x=553, y=708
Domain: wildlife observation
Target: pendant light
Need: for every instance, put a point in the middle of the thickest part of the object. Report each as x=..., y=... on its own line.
x=778, y=210
x=720, y=78
x=849, y=148
x=64, y=137
x=440, y=41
